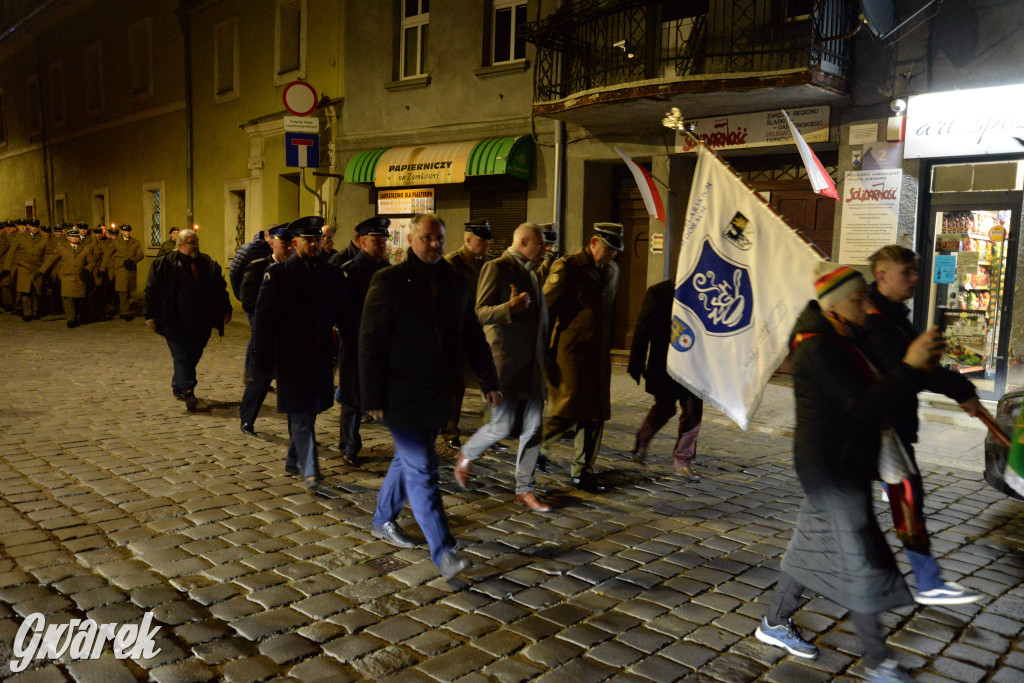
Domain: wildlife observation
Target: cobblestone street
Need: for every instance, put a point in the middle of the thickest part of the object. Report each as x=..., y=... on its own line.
x=115, y=501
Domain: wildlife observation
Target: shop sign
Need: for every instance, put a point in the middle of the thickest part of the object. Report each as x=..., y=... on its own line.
x=965, y=122
x=997, y=233
x=761, y=129
x=870, y=218
x=424, y=165
x=399, y=202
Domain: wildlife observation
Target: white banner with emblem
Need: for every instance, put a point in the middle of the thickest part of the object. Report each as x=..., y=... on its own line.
x=742, y=280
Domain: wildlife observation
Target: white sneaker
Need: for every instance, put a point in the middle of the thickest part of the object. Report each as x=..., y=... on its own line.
x=948, y=593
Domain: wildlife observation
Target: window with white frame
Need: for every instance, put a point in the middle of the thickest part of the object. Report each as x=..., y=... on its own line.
x=58, y=108
x=35, y=110
x=153, y=213
x=413, y=51
x=92, y=77
x=225, y=60
x=3, y=119
x=140, y=58
x=290, y=41
x=507, y=42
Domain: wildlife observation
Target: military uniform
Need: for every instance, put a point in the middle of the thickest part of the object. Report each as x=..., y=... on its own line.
x=103, y=246
x=167, y=247
x=468, y=265
x=6, y=289
x=74, y=268
x=125, y=254
x=24, y=259
x=581, y=303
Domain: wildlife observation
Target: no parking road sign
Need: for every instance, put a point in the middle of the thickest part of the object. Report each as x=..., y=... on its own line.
x=302, y=150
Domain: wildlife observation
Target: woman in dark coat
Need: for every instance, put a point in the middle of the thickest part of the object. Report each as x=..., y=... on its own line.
x=838, y=550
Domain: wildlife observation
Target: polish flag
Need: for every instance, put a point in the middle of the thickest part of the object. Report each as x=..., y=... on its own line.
x=652, y=198
x=821, y=182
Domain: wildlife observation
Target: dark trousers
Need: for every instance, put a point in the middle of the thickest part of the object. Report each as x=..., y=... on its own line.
x=302, y=451
x=186, y=350
x=349, y=441
x=413, y=477
x=73, y=309
x=586, y=445
x=8, y=297
x=451, y=429
x=256, y=387
x=691, y=413
x=787, y=599
x=29, y=304
x=248, y=347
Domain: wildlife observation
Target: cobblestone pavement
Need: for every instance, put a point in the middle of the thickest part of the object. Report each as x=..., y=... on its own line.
x=114, y=501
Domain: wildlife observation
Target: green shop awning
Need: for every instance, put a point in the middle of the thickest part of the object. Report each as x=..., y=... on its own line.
x=448, y=162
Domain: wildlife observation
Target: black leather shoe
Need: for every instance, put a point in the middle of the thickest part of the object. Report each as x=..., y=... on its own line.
x=453, y=443
x=542, y=463
x=191, y=402
x=291, y=470
x=589, y=484
x=248, y=429
x=179, y=395
x=351, y=458
x=393, y=534
x=452, y=564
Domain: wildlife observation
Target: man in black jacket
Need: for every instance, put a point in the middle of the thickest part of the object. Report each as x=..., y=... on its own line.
x=299, y=305
x=186, y=297
x=371, y=257
x=256, y=383
x=889, y=334
x=244, y=255
x=654, y=331
x=417, y=321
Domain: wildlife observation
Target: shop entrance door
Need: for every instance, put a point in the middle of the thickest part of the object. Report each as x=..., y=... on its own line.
x=970, y=261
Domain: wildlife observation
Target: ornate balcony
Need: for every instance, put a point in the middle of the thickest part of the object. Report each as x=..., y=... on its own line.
x=705, y=56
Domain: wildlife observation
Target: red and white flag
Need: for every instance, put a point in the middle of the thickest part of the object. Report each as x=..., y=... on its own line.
x=821, y=182
x=652, y=198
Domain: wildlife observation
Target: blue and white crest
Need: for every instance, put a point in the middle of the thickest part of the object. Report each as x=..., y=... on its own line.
x=682, y=336
x=718, y=292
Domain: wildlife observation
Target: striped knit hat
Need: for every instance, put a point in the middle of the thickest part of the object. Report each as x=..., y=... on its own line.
x=833, y=282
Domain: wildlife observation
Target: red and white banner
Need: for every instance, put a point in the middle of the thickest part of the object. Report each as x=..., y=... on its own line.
x=648, y=190
x=821, y=181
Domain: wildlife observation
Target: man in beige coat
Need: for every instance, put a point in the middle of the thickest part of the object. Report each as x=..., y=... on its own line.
x=580, y=293
x=511, y=308
x=122, y=264
x=25, y=256
x=74, y=268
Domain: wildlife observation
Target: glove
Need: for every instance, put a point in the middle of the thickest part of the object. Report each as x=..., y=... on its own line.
x=4, y=273
x=129, y=264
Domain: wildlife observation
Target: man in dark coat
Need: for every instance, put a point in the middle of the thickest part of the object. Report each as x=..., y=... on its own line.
x=299, y=305
x=244, y=255
x=417, y=321
x=371, y=257
x=467, y=261
x=648, y=357
x=510, y=306
x=342, y=256
x=889, y=334
x=185, y=299
x=580, y=294
x=256, y=383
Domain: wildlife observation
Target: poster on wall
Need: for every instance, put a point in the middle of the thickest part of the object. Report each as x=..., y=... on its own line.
x=870, y=209
x=759, y=129
x=398, y=241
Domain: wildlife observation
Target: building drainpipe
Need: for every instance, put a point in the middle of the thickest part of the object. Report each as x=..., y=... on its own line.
x=186, y=32
x=559, y=213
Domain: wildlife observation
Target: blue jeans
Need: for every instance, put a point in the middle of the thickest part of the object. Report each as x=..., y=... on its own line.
x=413, y=477
x=302, y=452
x=186, y=350
x=503, y=418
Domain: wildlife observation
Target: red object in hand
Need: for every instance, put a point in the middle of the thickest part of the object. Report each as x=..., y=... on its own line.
x=997, y=432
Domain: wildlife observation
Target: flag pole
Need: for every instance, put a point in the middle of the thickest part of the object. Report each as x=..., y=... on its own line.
x=673, y=120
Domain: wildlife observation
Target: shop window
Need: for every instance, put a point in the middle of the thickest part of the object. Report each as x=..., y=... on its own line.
x=92, y=58
x=35, y=112
x=290, y=41
x=140, y=58
x=57, y=98
x=413, y=49
x=507, y=42
x=3, y=119
x=981, y=177
x=225, y=61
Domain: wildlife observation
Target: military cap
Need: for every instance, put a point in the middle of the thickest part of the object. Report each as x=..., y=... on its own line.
x=307, y=226
x=480, y=227
x=82, y=225
x=73, y=232
x=610, y=234
x=45, y=228
x=126, y=227
x=34, y=222
x=174, y=230
x=280, y=232
x=60, y=227
x=9, y=224
x=374, y=227
x=97, y=231
x=549, y=232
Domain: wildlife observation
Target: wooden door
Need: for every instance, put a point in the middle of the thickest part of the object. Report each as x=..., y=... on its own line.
x=811, y=214
x=632, y=261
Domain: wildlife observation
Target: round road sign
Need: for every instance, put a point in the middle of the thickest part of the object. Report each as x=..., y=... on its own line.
x=299, y=98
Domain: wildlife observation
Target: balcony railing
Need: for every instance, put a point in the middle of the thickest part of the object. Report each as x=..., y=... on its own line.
x=601, y=43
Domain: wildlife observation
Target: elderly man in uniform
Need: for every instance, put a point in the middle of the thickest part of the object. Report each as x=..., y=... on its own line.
x=74, y=268
x=467, y=262
x=125, y=254
x=371, y=257
x=299, y=305
x=171, y=244
x=24, y=259
x=103, y=292
x=580, y=293
x=417, y=321
x=256, y=383
x=186, y=297
x=510, y=306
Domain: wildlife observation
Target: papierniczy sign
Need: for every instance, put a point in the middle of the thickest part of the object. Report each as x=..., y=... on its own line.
x=81, y=639
x=760, y=129
x=965, y=123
